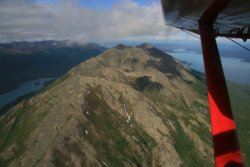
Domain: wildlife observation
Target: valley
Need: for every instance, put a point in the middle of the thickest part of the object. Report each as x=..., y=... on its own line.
x=25, y=61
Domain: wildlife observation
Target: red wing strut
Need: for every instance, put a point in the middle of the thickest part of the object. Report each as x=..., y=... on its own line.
x=211, y=18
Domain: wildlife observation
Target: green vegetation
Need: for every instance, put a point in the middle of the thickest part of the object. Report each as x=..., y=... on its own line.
x=15, y=129
x=60, y=159
x=113, y=146
x=143, y=83
x=240, y=100
x=199, y=87
x=199, y=84
x=204, y=133
x=149, y=88
x=111, y=136
x=185, y=146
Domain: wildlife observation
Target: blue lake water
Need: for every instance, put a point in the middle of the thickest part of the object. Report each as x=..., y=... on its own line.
x=24, y=88
x=235, y=69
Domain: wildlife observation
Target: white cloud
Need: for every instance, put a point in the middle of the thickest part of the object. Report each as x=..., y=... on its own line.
x=68, y=20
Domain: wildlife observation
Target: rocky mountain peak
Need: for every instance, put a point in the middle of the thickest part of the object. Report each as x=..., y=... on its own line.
x=138, y=58
x=146, y=45
x=121, y=46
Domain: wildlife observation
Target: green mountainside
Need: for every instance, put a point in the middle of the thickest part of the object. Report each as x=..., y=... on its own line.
x=239, y=96
x=129, y=106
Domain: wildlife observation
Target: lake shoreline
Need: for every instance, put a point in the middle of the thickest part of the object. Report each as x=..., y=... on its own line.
x=235, y=69
x=18, y=99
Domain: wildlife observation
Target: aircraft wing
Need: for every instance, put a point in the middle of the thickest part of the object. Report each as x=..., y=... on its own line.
x=233, y=21
x=209, y=19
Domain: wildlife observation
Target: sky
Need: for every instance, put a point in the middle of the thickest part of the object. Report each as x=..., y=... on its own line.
x=84, y=20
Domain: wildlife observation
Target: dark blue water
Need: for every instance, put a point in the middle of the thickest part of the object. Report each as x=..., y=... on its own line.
x=235, y=69
x=25, y=88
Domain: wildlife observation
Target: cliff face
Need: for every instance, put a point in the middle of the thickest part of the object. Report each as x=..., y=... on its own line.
x=130, y=106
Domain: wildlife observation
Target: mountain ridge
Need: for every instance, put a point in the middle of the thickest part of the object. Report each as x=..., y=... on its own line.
x=116, y=109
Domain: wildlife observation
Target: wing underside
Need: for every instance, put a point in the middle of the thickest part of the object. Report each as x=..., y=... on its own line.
x=233, y=21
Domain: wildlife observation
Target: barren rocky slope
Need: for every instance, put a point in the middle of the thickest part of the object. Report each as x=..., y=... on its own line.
x=130, y=106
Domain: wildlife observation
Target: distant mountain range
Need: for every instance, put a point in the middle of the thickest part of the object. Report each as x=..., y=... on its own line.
x=24, y=61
